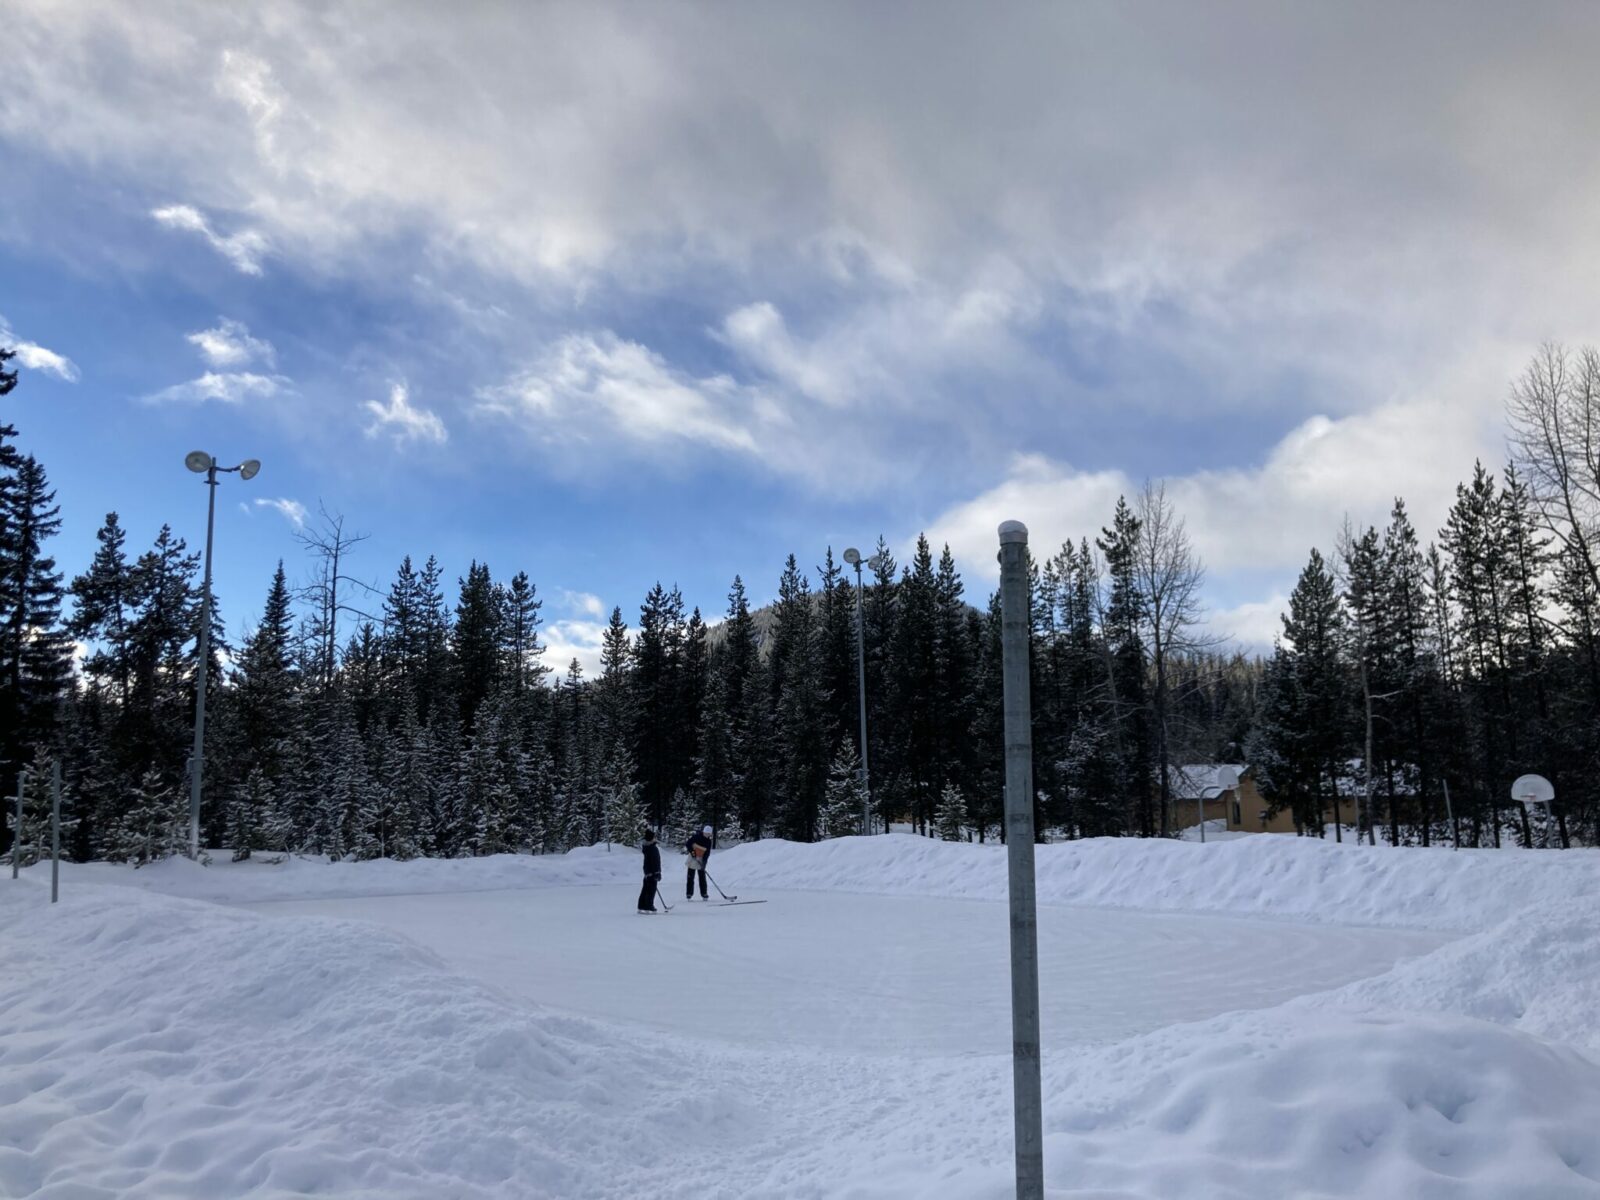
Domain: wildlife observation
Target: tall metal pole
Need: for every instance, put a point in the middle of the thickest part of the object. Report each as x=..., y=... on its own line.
x=861, y=693
x=16, y=830
x=1028, y=1116
x=197, y=761
x=55, y=830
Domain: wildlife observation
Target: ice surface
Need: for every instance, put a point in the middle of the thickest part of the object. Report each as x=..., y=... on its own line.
x=870, y=974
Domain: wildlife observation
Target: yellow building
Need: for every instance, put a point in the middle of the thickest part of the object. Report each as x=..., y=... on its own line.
x=1206, y=786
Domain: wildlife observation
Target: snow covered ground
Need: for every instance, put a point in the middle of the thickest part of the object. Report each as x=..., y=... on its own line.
x=1361, y=1022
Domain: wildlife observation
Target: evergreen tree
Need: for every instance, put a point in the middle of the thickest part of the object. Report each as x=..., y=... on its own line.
x=477, y=640
x=951, y=821
x=846, y=798
x=248, y=821
x=155, y=824
x=1122, y=622
x=799, y=712
x=524, y=652
x=102, y=607
x=35, y=652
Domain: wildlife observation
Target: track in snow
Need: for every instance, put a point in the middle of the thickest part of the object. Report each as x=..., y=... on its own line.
x=871, y=974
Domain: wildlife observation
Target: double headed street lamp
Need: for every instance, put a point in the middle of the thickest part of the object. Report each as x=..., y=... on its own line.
x=202, y=463
x=853, y=557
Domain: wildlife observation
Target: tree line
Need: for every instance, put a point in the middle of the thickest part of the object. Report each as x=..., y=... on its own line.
x=422, y=718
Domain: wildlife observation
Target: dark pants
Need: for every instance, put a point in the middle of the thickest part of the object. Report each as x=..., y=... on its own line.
x=647, y=894
x=688, y=887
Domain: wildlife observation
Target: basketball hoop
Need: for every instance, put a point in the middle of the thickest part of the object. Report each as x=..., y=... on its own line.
x=1536, y=789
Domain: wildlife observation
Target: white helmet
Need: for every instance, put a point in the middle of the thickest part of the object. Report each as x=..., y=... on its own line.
x=706, y=830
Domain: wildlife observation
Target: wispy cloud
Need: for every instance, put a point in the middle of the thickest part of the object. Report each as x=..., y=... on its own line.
x=292, y=510
x=244, y=249
x=402, y=421
x=229, y=344
x=592, y=382
x=233, y=387
x=35, y=357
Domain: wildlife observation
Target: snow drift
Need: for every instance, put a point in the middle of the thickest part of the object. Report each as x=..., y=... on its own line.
x=153, y=1046
x=1308, y=879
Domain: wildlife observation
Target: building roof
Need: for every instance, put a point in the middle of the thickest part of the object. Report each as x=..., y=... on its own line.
x=1201, y=781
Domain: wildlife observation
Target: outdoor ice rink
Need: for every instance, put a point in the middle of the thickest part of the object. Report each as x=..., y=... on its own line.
x=868, y=974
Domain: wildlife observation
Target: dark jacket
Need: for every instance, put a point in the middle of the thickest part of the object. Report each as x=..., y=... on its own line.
x=704, y=843
x=652, y=860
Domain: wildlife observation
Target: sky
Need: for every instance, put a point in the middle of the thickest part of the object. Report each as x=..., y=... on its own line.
x=624, y=293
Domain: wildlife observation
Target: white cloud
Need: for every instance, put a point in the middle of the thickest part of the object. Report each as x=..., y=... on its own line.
x=35, y=357
x=244, y=249
x=573, y=639
x=231, y=387
x=292, y=510
x=1253, y=625
x=403, y=422
x=588, y=383
x=229, y=344
x=585, y=603
x=1266, y=517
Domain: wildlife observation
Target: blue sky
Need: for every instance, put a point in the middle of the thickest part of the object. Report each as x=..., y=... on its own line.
x=619, y=294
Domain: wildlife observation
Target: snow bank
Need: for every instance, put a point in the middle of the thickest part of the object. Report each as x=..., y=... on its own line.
x=1538, y=971
x=152, y=1047
x=1308, y=879
x=304, y=877
x=1376, y=1105
x=1305, y=879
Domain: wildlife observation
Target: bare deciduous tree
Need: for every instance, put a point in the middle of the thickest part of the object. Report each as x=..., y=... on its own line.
x=1555, y=440
x=329, y=545
x=1170, y=577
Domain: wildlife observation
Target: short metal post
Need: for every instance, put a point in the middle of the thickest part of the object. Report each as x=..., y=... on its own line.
x=1450, y=815
x=1028, y=1116
x=55, y=831
x=16, y=830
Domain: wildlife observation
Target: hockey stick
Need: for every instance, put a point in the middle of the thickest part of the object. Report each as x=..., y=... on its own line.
x=714, y=884
x=662, y=898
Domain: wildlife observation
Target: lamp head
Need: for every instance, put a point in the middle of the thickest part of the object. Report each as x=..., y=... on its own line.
x=198, y=461
x=853, y=557
x=248, y=468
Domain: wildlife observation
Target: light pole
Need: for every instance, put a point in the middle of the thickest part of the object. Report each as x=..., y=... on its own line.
x=853, y=557
x=202, y=463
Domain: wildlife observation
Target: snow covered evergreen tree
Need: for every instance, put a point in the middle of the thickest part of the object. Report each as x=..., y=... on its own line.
x=155, y=824
x=952, y=816
x=846, y=797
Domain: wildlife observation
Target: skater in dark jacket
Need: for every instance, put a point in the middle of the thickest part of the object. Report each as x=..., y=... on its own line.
x=652, y=873
x=698, y=848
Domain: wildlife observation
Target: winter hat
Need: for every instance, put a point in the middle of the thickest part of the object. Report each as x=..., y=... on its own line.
x=649, y=835
x=706, y=830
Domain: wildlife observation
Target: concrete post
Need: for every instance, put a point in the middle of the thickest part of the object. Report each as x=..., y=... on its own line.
x=55, y=830
x=1015, y=623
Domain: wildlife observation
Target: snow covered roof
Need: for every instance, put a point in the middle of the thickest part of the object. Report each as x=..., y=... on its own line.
x=1201, y=781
